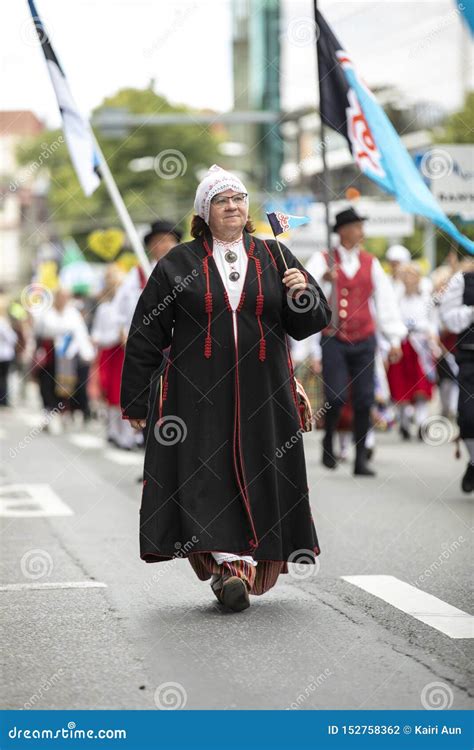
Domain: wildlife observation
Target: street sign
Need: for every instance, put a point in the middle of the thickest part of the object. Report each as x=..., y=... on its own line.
x=450, y=169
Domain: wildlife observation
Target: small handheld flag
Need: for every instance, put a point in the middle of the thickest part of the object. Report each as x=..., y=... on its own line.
x=348, y=106
x=78, y=135
x=280, y=222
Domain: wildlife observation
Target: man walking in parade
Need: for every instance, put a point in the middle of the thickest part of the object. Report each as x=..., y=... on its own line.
x=363, y=301
x=457, y=314
x=162, y=236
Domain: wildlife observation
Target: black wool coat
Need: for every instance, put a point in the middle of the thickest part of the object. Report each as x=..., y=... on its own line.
x=224, y=462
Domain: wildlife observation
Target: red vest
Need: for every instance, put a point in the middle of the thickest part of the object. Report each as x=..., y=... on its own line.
x=354, y=318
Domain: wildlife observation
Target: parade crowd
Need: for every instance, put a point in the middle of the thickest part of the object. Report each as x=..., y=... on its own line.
x=397, y=340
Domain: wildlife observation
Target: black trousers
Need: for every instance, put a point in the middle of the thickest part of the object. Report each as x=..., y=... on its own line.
x=4, y=367
x=466, y=397
x=349, y=365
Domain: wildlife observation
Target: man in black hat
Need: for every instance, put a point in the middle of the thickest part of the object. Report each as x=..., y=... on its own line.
x=163, y=236
x=363, y=301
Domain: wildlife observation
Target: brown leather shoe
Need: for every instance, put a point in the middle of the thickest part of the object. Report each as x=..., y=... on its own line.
x=234, y=594
x=216, y=586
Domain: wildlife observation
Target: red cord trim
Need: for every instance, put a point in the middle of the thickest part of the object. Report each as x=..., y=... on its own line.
x=207, y=302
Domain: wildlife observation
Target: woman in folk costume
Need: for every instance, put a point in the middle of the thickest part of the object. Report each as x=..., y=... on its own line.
x=412, y=378
x=107, y=336
x=221, y=485
x=62, y=338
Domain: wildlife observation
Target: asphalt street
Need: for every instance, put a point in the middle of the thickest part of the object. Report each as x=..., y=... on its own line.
x=88, y=625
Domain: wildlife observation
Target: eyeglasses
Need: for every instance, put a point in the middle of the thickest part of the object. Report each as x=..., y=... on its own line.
x=222, y=200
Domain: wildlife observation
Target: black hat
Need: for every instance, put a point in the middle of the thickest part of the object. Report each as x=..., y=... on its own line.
x=349, y=216
x=163, y=227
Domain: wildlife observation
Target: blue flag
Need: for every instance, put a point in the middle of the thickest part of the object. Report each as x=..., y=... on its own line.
x=280, y=223
x=78, y=135
x=349, y=106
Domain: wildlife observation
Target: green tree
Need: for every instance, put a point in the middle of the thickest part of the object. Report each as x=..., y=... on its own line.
x=459, y=127
x=180, y=150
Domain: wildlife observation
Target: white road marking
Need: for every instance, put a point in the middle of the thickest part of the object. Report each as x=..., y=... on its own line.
x=424, y=607
x=83, y=440
x=31, y=501
x=124, y=458
x=57, y=585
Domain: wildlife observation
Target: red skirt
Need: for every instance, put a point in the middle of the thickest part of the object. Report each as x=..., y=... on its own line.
x=407, y=379
x=110, y=364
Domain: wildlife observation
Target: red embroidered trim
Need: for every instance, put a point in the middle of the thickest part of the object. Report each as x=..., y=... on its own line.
x=227, y=301
x=207, y=302
x=270, y=254
x=262, y=349
x=241, y=302
x=165, y=383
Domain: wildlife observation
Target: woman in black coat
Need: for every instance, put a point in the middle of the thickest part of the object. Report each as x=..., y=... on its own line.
x=225, y=478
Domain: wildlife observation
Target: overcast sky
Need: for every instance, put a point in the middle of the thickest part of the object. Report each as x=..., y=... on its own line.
x=420, y=46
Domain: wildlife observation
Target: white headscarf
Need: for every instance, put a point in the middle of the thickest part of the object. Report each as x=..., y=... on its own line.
x=217, y=180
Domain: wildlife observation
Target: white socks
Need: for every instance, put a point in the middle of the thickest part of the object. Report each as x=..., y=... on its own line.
x=221, y=557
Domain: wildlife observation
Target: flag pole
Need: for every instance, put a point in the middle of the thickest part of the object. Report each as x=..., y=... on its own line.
x=281, y=251
x=326, y=185
x=121, y=208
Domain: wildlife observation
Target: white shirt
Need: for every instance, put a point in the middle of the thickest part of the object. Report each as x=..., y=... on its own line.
x=106, y=328
x=384, y=308
x=8, y=339
x=127, y=296
x=453, y=313
x=55, y=324
x=418, y=312
x=233, y=288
